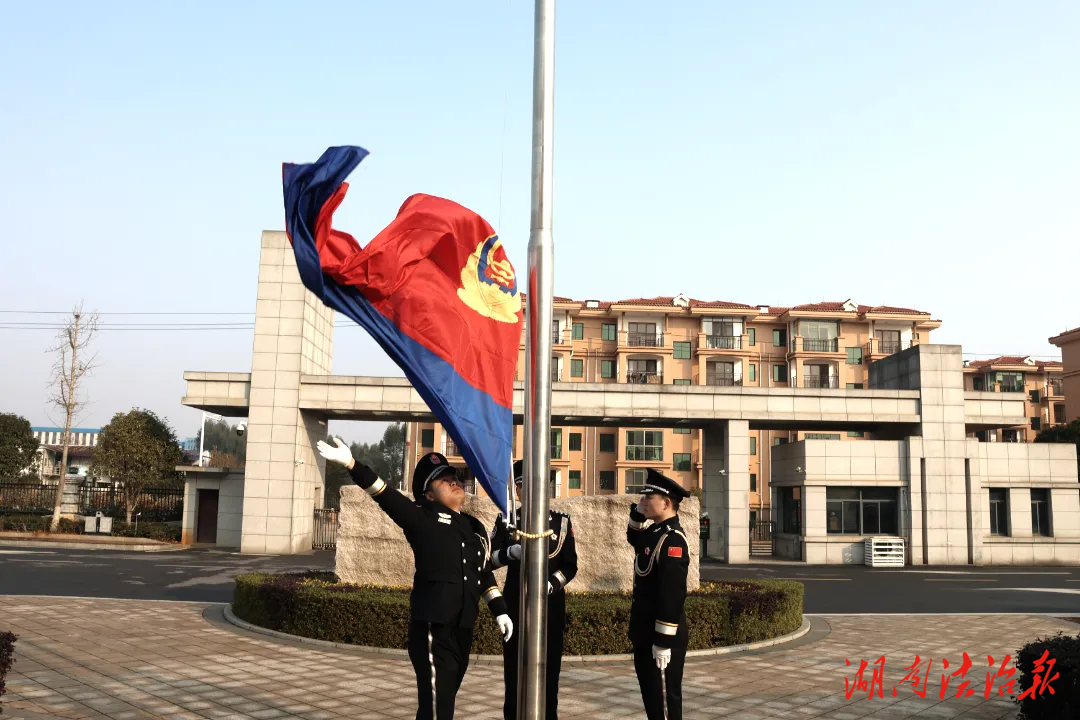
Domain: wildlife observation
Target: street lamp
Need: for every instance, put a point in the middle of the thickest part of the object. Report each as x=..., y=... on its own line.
x=202, y=434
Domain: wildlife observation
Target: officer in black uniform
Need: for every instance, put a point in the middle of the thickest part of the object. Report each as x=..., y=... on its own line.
x=657, y=621
x=562, y=567
x=453, y=573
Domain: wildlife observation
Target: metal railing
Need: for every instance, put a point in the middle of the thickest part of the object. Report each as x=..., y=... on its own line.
x=26, y=499
x=723, y=380
x=452, y=448
x=324, y=530
x=817, y=345
x=821, y=381
x=645, y=339
x=159, y=504
x=1056, y=388
x=723, y=342
x=651, y=453
x=645, y=378
x=1011, y=387
x=556, y=337
x=556, y=374
x=885, y=347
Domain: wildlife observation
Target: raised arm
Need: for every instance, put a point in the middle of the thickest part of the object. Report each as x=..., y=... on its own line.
x=404, y=512
x=635, y=534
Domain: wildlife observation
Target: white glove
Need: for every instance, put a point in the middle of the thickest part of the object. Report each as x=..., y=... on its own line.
x=340, y=454
x=506, y=626
x=662, y=656
x=549, y=587
x=514, y=551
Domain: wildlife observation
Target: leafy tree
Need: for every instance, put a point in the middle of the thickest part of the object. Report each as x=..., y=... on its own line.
x=139, y=449
x=18, y=447
x=221, y=437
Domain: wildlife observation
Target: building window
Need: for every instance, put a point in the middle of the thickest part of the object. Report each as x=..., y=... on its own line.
x=634, y=482
x=608, y=332
x=427, y=438
x=607, y=479
x=861, y=511
x=682, y=381
x=1035, y=396
x=790, y=514
x=607, y=369
x=1036, y=423
x=779, y=441
x=856, y=434
x=645, y=445
x=577, y=368
x=575, y=442
x=681, y=350
x=752, y=332
x=1059, y=414
x=753, y=483
x=575, y=480
x=821, y=436
x=779, y=338
x=1011, y=435
x=1040, y=512
x=753, y=446
x=779, y=373
x=681, y=462
x=753, y=372
x=854, y=386
x=982, y=435
x=999, y=511
x=579, y=331
x=556, y=444
x=607, y=442
x=978, y=384
x=681, y=431
x=854, y=356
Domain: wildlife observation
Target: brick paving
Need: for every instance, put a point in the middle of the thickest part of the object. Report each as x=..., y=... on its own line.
x=127, y=660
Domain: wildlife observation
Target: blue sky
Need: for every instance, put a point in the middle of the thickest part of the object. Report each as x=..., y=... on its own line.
x=917, y=154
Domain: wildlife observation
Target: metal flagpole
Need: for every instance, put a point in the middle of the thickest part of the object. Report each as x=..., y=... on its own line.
x=532, y=648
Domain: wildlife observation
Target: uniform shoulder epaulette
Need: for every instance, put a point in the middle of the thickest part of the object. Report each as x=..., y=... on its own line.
x=559, y=512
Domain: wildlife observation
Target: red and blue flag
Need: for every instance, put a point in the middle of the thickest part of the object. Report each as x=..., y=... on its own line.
x=436, y=291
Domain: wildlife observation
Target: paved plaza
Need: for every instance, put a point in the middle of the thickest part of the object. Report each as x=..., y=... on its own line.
x=130, y=659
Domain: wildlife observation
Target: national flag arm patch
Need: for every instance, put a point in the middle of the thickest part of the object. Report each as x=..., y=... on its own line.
x=674, y=552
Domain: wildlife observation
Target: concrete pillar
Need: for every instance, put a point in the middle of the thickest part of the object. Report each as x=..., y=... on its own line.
x=813, y=524
x=726, y=482
x=283, y=473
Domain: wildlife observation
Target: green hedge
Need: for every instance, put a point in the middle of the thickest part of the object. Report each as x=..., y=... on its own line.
x=7, y=658
x=1064, y=650
x=40, y=523
x=315, y=605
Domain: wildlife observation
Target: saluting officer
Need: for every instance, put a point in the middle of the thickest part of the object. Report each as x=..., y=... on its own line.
x=657, y=621
x=453, y=573
x=562, y=567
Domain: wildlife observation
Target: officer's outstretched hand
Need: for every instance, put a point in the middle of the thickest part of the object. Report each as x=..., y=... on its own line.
x=506, y=626
x=339, y=454
x=662, y=656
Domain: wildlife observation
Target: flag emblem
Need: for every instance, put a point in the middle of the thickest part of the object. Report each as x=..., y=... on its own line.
x=488, y=283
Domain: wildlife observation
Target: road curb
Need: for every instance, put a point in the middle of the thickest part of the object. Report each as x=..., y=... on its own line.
x=62, y=545
x=728, y=649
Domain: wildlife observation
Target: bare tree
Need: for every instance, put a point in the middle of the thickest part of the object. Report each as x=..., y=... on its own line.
x=70, y=368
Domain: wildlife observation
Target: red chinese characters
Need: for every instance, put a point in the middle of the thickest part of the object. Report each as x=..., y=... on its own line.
x=918, y=675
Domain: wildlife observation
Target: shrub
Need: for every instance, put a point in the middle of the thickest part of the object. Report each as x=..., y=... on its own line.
x=1064, y=650
x=7, y=658
x=315, y=605
x=162, y=532
x=37, y=523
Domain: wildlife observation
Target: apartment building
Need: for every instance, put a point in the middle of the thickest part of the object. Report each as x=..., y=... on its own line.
x=1069, y=342
x=683, y=341
x=51, y=451
x=1041, y=381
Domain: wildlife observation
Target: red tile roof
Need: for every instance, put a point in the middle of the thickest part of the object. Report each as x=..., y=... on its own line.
x=719, y=304
x=667, y=301
x=1015, y=360
x=821, y=307
x=863, y=309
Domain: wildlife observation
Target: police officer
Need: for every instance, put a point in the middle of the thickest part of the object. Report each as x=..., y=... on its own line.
x=453, y=573
x=657, y=621
x=562, y=567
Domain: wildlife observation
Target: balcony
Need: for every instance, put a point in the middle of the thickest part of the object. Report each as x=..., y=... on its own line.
x=1010, y=387
x=1055, y=388
x=821, y=381
x=883, y=348
x=815, y=345
x=723, y=380
x=653, y=340
x=645, y=378
x=556, y=337
x=556, y=374
x=452, y=449
x=723, y=342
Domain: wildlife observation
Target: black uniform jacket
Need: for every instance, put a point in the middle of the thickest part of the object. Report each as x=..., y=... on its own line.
x=562, y=552
x=451, y=551
x=661, y=564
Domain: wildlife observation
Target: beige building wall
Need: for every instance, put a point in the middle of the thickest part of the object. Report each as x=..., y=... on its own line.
x=1041, y=383
x=677, y=340
x=1069, y=342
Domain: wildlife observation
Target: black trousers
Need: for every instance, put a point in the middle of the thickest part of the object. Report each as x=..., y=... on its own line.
x=440, y=657
x=555, y=636
x=653, y=686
